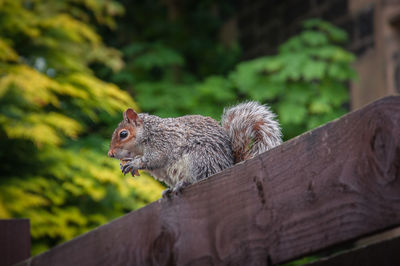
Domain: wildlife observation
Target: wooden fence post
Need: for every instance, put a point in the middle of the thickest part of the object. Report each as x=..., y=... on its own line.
x=15, y=241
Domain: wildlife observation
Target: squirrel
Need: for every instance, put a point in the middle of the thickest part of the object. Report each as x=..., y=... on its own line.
x=183, y=150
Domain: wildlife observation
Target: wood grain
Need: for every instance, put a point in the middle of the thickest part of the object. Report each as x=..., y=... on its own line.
x=330, y=185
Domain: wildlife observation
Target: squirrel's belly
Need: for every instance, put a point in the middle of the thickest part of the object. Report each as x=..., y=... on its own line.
x=160, y=175
x=180, y=171
x=174, y=172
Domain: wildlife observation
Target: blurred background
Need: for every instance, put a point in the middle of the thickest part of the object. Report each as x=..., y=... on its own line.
x=68, y=68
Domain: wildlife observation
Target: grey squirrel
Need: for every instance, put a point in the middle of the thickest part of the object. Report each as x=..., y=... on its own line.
x=183, y=150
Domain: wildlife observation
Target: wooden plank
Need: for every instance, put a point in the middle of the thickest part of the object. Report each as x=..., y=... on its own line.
x=116, y=243
x=15, y=241
x=385, y=253
x=333, y=184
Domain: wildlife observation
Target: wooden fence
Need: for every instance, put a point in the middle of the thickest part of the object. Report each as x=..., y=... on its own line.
x=15, y=241
x=326, y=187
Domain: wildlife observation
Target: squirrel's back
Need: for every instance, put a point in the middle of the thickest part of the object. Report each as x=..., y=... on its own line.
x=252, y=128
x=187, y=149
x=197, y=146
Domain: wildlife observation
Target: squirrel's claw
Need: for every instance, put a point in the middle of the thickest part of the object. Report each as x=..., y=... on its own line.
x=135, y=172
x=128, y=167
x=132, y=165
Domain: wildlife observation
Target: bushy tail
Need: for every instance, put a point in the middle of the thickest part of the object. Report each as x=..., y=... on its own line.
x=252, y=128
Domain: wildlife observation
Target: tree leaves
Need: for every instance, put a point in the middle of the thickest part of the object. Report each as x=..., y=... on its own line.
x=6, y=52
x=306, y=79
x=56, y=118
x=305, y=82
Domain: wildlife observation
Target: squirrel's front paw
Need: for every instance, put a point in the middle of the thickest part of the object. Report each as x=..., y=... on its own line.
x=131, y=165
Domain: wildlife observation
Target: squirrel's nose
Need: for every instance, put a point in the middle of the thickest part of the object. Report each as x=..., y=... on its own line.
x=111, y=154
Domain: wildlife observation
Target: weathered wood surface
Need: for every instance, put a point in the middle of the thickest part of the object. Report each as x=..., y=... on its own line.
x=15, y=241
x=333, y=184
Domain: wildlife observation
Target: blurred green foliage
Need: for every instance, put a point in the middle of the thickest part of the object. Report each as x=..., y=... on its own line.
x=59, y=103
x=305, y=82
x=172, y=46
x=56, y=118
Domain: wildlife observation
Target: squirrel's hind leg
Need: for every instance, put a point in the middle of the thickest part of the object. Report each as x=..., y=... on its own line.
x=177, y=189
x=166, y=194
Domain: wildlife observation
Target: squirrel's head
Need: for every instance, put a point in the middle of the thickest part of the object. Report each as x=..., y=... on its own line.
x=124, y=139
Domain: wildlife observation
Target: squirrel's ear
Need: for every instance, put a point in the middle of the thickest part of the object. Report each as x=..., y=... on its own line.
x=131, y=116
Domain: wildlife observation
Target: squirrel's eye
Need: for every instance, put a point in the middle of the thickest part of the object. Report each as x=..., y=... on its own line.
x=123, y=134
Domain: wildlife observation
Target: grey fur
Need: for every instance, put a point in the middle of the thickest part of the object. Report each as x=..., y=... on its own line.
x=254, y=123
x=187, y=148
x=190, y=148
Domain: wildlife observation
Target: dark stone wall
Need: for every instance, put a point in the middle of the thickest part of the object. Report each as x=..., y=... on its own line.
x=264, y=24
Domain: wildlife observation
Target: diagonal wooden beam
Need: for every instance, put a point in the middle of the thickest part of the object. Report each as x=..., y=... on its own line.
x=330, y=185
